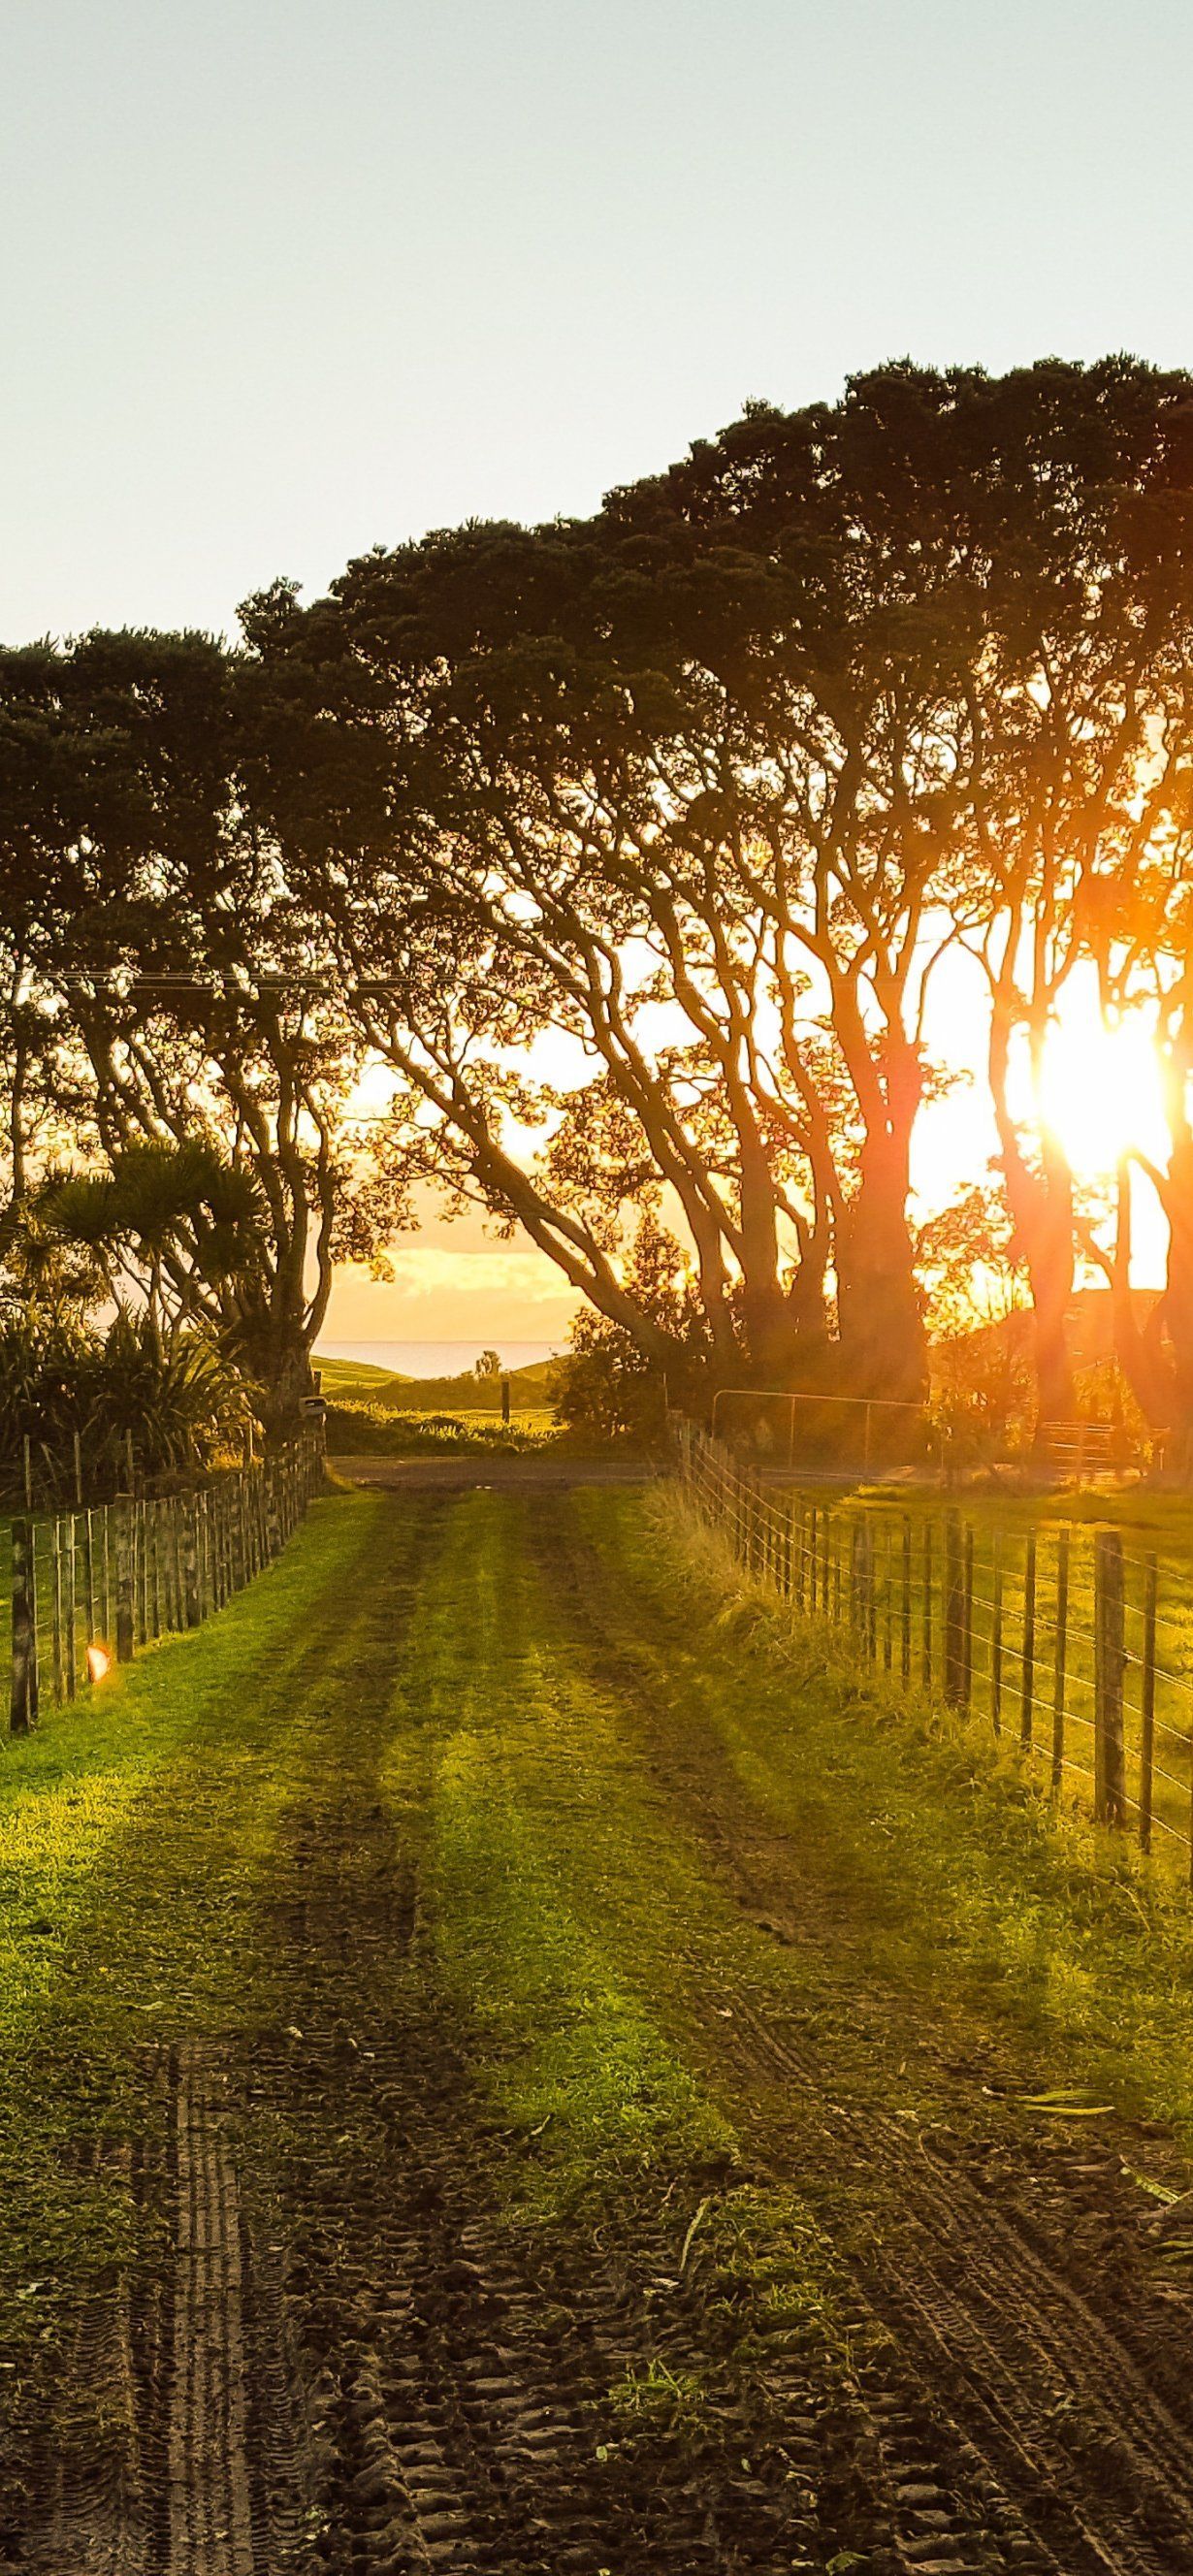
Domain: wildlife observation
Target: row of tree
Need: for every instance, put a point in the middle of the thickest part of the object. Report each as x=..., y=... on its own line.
x=633, y=848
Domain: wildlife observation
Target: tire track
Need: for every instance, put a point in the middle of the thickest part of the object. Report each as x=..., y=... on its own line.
x=1078, y=2455
x=211, y=2517
x=460, y=2366
x=185, y=2461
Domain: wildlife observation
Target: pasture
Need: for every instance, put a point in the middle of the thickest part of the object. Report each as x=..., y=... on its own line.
x=540, y=2024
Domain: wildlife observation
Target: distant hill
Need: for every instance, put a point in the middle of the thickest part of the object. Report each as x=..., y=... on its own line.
x=352, y=1377
x=387, y=1391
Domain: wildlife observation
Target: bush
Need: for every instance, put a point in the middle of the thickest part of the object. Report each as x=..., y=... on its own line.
x=181, y=1405
x=605, y=1387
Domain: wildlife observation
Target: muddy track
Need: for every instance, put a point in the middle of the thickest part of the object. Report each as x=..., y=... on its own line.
x=1077, y=2424
x=460, y=2366
x=179, y=2450
x=356, y=2358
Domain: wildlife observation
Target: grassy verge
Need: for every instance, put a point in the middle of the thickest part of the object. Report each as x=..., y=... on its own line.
x=945, y=1883
x=134, y=1833
x=368, y=1430
x=909, y=1543
x=569, y=1922
x=504, y=1767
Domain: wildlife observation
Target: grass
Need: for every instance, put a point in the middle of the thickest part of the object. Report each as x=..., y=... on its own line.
x=340, y=1378
x=1002, y=1528
x=133, y=1832
x=355, y=1430
x=501, y=1767
x=642, y=1814
x=952, y=1886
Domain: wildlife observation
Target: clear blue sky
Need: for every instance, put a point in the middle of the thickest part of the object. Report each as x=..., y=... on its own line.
x=283, y=278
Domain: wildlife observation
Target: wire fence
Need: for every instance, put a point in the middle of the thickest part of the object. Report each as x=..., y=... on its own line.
x=1059, y=1637
x=92, y=1586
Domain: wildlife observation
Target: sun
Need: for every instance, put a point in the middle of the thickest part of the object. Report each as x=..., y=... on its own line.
x=1100, y=1092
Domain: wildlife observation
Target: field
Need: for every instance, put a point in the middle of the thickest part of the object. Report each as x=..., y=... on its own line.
x=515, y=2061
x=1059, y=1533
x=371, y=1413
x=355, y=1382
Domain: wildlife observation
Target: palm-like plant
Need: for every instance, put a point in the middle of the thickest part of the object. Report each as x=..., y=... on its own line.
x=175, y=1217
x=179, y=1403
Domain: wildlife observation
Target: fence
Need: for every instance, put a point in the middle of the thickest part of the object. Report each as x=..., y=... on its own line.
x=95, y=1584
x=1055, y=1635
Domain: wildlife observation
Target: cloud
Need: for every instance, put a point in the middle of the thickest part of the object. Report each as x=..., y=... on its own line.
x=436, y=1295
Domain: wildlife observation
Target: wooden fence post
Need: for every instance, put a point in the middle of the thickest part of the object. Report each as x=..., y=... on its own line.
x=173, y=1564
x=888, y=1600
x=106, y=1566
x=905, y=1631
x=1058, y=1676
x=70, y=1611
x=78, y=1450
x=1110, y=1783
x=996, y=1637
x=967, y=1627
x=190, y=1554
x=23, y=1705
x=217, y=1544
x=1147, y=1706
x=926, y=1609
x=155, y=1561
x=1028, y=1683
x=124, y=1533
x=137, y=1521
x=954, y=1614
x=56, y=1605
x=89, y=1570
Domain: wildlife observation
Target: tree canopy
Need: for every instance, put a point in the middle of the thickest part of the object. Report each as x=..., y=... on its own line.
x=635, y=849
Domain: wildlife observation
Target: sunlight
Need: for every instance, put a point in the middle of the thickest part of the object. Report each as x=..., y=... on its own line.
x=1100, y=1094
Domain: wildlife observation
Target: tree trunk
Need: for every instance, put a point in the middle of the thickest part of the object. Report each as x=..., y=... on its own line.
x=883, y=1343
x=1047, y=1245
x=1141, y=1360
x=1178, y=1291
x=277, y=1358
x=1041, y=1207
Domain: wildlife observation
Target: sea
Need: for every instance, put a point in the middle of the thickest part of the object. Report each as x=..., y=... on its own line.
x=436, y=1359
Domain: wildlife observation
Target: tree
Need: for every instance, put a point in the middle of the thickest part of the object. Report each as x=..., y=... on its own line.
x=671, y=784
x=1079, y=709
x=184, y=998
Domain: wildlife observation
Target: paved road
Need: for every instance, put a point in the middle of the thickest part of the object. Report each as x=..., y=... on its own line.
x=555, y=1473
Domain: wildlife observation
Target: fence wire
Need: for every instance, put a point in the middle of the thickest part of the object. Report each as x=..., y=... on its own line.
x=1053, y=1658
x=90, y=1587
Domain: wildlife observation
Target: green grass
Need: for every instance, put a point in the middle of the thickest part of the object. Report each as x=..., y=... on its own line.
x=1002, y=1526
x=502, y=1766
x=641, y=1810
x=355, y=1430
x=354, y=1377
x=952, y=1884
x=134, y=1831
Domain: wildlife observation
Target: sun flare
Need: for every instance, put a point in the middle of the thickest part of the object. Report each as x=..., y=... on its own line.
x=1100, y=1092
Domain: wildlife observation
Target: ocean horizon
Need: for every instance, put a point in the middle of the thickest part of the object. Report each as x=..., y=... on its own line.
x=436, y=1359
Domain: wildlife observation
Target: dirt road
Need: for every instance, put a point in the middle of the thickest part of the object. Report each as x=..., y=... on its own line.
x=580, y=2162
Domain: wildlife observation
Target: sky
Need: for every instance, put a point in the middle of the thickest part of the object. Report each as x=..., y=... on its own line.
x=284, y=279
